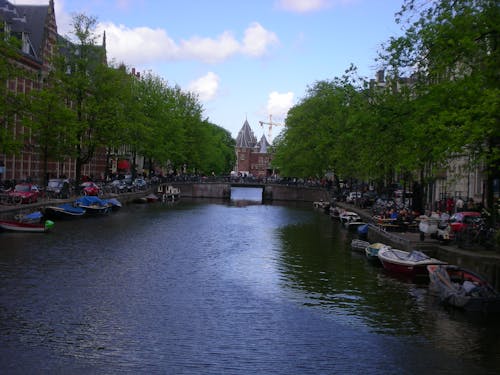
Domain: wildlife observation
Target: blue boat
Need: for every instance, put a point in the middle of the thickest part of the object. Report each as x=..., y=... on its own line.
x=93, y=205
x=64, y=211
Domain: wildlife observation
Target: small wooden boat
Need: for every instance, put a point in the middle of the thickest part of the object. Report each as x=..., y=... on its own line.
x=462, y=288
x=359, y=245
x=412, y=263
x=33, y=217
x=349, y=216
x=371, y=251
x=19, y=226
x=167, y=193
x=64, y=211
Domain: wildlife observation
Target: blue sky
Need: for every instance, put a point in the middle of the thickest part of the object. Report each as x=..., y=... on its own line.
x=246, y=59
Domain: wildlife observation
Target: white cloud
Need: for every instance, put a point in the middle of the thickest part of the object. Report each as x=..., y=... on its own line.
x=279, y=104
x=257, y=40
x=209, y=50
x=142, y=45
x=206, y=87
x=305, y=6
x=138, y=45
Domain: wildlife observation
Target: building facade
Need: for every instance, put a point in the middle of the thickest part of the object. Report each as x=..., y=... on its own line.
x=253, y=158
x=36, y=28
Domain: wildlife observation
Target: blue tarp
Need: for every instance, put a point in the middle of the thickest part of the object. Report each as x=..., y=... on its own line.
x=72, y=209
x=90, y=200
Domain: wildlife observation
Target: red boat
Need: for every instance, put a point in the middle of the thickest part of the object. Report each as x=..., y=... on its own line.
x=412, y=263
x=19, y=226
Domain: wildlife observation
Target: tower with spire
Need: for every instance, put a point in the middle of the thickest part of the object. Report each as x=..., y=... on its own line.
x=253, y=158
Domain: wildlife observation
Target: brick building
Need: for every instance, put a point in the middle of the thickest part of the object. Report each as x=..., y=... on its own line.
x=253, y=158
x=36, y=28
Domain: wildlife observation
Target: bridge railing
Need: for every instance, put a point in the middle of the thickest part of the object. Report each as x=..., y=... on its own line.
x=242, y=180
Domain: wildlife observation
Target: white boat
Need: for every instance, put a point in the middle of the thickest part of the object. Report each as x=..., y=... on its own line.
x=412, y=263
x=349, y=216
x=350, y=220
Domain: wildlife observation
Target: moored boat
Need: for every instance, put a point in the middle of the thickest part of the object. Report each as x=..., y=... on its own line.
x=19, y=226
x=412, y=263
x=371, y=251
x=359, y=245
x=348, y=216
x=463, y=288
x=64, y=211
x=93, y=204
x=33, y=217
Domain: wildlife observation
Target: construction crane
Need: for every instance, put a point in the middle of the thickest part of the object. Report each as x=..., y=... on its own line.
x=271, y=124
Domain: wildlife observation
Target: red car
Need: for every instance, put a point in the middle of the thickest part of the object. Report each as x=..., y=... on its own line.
x=24, y=193
x=90, y=188
x=461, y=220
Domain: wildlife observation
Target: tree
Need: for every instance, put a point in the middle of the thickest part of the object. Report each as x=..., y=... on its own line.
x=12, y=104
x=451, y=50
x=51, y=122
x=79, y=60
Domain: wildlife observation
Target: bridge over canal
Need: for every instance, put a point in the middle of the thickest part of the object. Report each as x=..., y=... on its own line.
x=270, y=192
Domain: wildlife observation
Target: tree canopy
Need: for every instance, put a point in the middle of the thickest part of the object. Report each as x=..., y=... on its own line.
x=440, y=99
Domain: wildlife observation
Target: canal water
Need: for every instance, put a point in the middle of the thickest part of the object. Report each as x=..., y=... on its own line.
x=202, y=287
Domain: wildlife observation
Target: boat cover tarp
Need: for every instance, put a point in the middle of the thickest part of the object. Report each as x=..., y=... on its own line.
x=466, y=295
x=91, y=200
x=70, y=208
x=37, y=215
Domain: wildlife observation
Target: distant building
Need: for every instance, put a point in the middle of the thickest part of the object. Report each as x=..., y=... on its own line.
x=253, y=158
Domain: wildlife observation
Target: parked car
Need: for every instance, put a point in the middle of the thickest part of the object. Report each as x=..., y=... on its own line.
x=58, y=188
x=461, y=220
x=353, y=196
x=24, y=193
x=90, y=188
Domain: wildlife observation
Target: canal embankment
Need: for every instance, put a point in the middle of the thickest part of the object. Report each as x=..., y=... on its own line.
x=485, y=262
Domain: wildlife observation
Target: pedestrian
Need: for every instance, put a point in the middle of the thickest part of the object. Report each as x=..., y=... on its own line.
x=459, y=205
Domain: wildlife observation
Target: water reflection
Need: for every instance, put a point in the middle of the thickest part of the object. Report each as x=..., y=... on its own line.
x=246, y=196
x=217, y=288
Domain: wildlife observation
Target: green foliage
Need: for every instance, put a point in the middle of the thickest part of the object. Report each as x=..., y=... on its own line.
x=12, y=105
x=447, y=105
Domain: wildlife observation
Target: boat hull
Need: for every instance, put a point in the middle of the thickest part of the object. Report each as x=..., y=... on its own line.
x=15, y=226
x=408, y=263
x=64, y=211
x=371, y=251
x=463, y=289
